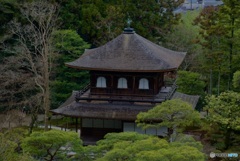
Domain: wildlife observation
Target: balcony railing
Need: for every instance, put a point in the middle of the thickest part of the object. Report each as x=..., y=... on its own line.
x=82, y=91
x=127, y=95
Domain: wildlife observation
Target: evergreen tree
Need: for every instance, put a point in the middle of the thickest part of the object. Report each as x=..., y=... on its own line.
x=69, y=14
x=213, y=58
x=70, y=46
x=220, y=31
x=223, y=112
x=51, y=145
x=183, y=38
x=102, y=20
x=8, y=10
x=173, y=114
x=190, y=83
x=139, y=147
x=229, y=20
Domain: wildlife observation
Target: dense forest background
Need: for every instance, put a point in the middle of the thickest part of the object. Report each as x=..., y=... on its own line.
x=209, y=36
x=37, y=37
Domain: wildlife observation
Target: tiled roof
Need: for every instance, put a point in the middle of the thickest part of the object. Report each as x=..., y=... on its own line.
x=115, y=110
x=103, y=110
x=191, y=99
x=129, y=52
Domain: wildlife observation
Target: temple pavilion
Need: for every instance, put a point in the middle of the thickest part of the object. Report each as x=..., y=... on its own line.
x=128, y=75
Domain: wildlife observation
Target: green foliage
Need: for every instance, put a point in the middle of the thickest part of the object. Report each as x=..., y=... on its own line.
x=52, y=144
x=236, y=79
x=69, y=14
x=70, y=46
x=190, y=83
x=220, y=32
x=10, y=145
x=102, y=20
x=108, y=143
x=69, y=42
x=228, y=17
x=184, y=37
x=16, y=135
x=183, y=139
x=112, y=138
x=224, y=111
x=139, y=147
x=6, y=148
x=213, y=59
x=8, y=10
x=173, y=113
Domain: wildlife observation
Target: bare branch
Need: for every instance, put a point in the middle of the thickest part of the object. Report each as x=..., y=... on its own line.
x=34, y=47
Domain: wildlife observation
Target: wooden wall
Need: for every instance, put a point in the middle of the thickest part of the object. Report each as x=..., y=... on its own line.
x=155, y=83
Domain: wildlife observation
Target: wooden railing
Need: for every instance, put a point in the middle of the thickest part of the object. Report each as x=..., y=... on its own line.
x=82, y=91
x=111, y=95
x=171, y=92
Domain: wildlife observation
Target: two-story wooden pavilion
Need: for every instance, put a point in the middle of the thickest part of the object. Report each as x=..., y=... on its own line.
x=127, y=76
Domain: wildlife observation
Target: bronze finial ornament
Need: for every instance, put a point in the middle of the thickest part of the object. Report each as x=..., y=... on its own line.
x=129, y=21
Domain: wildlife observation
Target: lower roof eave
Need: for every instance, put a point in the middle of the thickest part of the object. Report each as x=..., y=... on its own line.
x=101, y=111
x=133, y=118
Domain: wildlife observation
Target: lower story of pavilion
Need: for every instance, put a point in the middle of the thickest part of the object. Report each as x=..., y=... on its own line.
x=97, y=118
x=91, y=130
x=94, y=120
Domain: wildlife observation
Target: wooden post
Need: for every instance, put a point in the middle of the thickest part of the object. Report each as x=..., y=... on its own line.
x=76, y=124
x=155, y=84
x=133, y=84
x=111, y=86
x=80, y=128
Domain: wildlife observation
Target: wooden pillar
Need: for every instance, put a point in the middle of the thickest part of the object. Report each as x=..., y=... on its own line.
x=111, y=86
x=76, y=124
x=66, y=125
x=50, y=122
x=133, y=84
x=80, y=127
x=155, y=85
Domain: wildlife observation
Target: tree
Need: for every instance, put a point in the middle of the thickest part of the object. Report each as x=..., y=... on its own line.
x=224, y=111
x=51, y=145
x=70, y=46
x=101, y=20
x=229, y=21
x=183, y=38
x=7, y=148
x=69, y=14
x=139, y=147
x=16, y=82
x=34, y=45
x=213, y=59
x=190, y=83
x=106, y=144
x=236, y=79
x=221, y=31
x=10, y=145
x=174, y=114
x=8, y=10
